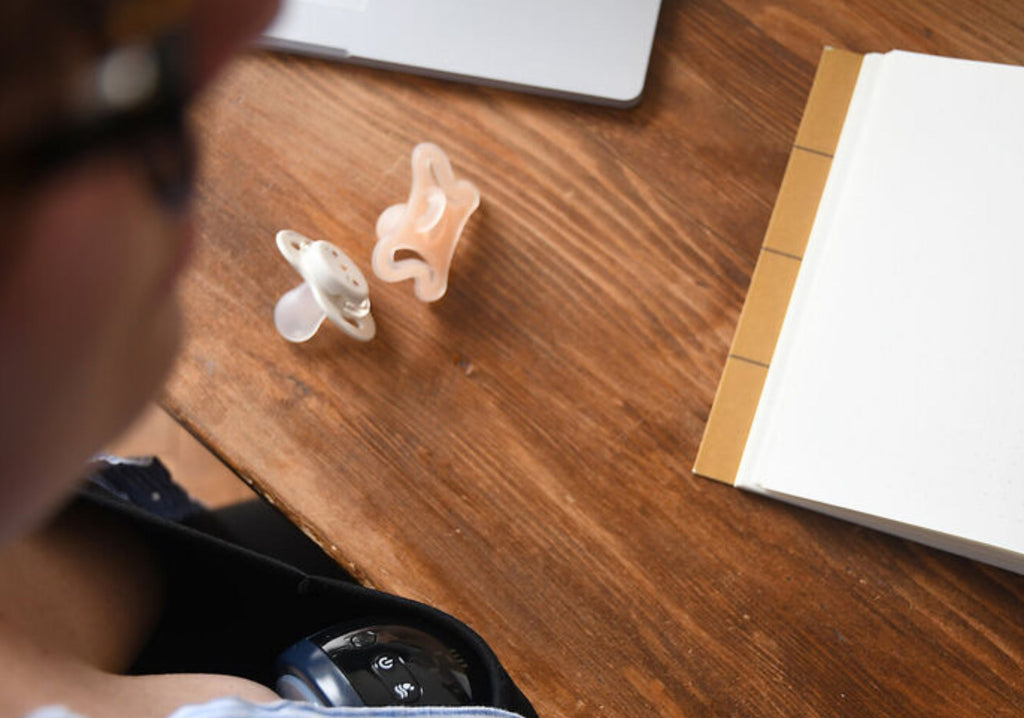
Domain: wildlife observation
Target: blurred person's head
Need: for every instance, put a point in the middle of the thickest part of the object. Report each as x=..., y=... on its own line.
x=95, y=222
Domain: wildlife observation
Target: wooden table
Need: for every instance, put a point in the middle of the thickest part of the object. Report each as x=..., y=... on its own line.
x=519, y=454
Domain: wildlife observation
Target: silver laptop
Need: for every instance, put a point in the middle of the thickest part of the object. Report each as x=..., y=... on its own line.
x=591, y=50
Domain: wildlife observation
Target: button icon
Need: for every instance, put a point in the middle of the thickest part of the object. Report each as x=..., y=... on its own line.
x=383, y=663
x=406, y=692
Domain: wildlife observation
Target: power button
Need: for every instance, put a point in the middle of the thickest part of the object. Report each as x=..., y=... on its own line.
x=385, y=663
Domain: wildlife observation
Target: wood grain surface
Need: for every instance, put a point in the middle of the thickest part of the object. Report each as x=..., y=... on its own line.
x=519, y=453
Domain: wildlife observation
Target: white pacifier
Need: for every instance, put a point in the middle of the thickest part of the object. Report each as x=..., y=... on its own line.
x=332, y=288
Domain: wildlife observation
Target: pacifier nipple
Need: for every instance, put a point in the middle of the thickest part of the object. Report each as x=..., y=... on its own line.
x=417, y=240
x=332, y=288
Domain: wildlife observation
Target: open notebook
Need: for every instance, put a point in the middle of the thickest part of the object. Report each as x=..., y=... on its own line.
x=877, y=373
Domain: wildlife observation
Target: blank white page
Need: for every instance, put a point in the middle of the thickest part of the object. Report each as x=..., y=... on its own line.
x=896, y=390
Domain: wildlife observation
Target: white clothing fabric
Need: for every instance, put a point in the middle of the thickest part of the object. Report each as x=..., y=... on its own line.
x=235, y=708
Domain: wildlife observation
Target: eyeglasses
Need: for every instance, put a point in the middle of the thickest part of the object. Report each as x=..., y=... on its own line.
x=130, y=100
